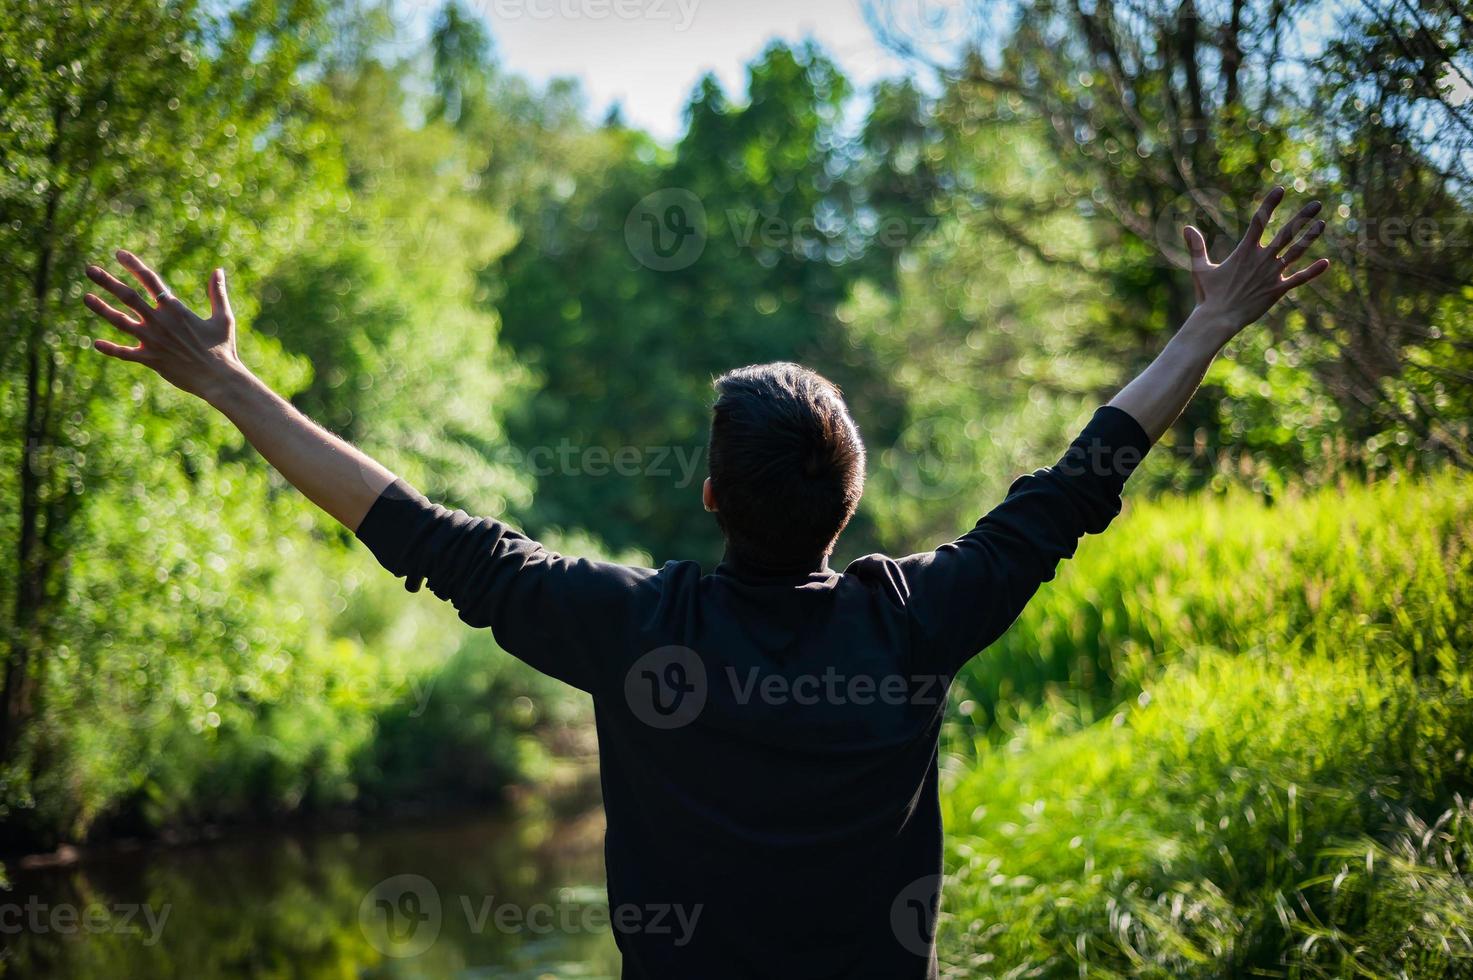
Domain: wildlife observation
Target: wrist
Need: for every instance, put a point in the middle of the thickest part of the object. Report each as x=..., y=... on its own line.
x=226, y=384
x=1210, y=325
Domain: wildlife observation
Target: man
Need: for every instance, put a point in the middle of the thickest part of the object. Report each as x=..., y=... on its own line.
x=768, y=732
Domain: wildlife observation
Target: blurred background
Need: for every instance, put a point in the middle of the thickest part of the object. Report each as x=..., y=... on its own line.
x=505, y=245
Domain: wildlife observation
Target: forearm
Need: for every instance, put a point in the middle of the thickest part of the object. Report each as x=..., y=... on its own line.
x=329, y=471
x=1159, y=393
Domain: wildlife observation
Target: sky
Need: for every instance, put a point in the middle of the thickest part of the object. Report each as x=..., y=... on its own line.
x=647, y=55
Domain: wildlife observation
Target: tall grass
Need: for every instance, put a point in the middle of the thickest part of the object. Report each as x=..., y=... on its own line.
x=1254, y=816
x=1270, y=774
x=1338, y=572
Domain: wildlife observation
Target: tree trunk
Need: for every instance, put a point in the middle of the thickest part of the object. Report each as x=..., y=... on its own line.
x=34, y=561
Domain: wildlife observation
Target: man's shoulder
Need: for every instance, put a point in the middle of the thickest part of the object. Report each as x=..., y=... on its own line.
x=883, y=574
x=680, y=570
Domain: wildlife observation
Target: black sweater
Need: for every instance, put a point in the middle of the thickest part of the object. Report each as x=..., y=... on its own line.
x=768, y=740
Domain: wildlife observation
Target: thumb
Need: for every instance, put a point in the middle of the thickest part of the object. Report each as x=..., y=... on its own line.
x=1196, y=246
x=219, y=300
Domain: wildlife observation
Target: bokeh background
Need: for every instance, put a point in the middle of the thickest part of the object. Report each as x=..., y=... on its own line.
x=505, y=245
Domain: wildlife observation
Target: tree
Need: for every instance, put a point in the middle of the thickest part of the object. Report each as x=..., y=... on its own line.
x=652, y=272
x=165, y=116
x=189, y=641
x=1182, y=113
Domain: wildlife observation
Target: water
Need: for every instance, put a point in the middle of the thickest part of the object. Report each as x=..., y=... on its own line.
x=480, y=897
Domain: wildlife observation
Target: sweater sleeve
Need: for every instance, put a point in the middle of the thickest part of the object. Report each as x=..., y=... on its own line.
x=561, y=615
x=965, y=594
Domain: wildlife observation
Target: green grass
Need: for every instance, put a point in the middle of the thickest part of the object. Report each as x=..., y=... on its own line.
x=1339, y=572
x=1249, y=806
x=1271, y=775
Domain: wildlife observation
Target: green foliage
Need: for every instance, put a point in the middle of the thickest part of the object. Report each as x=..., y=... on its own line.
x=1228, y=740
x=1152, y=117
x=189, y=643
x=1229, y=737
x=779, y=244
x=178, y=128
x=388, y=323
x=975, y=321
x=1346, y=574
x=1255, y=813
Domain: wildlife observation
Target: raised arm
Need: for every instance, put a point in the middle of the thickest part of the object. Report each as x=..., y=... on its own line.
x=198, y=355
x=1230, y=296
x=561, y=615
x=966, y=593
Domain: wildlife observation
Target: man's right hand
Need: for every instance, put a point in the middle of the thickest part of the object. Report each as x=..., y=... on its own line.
x=1230, y=295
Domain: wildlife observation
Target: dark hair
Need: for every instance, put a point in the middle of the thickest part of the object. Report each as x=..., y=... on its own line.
x=787, y=463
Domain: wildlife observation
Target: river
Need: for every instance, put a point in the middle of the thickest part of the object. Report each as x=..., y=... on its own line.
x=468, y=897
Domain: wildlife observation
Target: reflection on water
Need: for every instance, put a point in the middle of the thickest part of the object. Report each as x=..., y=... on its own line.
x=470, y=898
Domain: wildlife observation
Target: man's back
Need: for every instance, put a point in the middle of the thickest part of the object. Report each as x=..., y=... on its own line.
x=793, y=796
x=768, y=736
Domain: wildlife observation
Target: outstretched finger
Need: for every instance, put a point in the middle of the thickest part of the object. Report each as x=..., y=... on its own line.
x=1293, y=227
x=120, y=289
x=135, y=354
x=1196, y=246
x=219, y=299
x=1303, y=275
x=1262, y=216
x=1302, y=246
x=113, y=315
x=150, y=279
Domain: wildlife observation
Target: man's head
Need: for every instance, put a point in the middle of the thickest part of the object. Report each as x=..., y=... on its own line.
x=787, y=463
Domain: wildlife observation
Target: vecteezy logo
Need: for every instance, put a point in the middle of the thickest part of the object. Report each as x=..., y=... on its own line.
x=666, y=230
x=666, y=688
x=1213, y=212
x=400, y=916
x=913, y=914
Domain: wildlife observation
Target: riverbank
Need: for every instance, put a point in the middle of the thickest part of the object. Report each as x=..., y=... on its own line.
x=565, y=790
